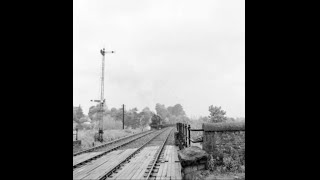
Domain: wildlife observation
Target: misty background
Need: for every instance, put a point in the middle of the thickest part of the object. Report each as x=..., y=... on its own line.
x=167, y=52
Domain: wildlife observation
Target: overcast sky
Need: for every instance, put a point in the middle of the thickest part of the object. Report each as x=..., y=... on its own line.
x=190, y=52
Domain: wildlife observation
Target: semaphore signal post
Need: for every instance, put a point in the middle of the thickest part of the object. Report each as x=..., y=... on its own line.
x=102, y=100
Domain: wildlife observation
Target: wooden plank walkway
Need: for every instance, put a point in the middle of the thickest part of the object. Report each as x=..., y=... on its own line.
x=170, y=167
x=97, y=168
x=85, y=156
x=167, y=168
x=138, y=164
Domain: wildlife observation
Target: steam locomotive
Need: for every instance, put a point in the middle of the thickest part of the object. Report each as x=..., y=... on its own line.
x=158, y=123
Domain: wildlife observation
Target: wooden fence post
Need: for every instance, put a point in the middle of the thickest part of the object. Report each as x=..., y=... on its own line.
x=189, y=135
x=186, y=135
x=76, y=134
x=182, y=130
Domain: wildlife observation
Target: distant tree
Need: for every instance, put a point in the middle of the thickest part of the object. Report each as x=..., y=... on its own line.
x=162, y=111
x=79, y=126
x=217, y=114
x=87, y=125
x=240, y=119
x=92, y=113
x=119, y=114
x=231, y=119
x=74, y=125
x=176, y=110
x=113, y=112
x=75, y=119
x=183, y=119
x=204, y=119
x=170, y=110
x=84, y=119
x=132, y=118
x=79, y=112
x=145, y=117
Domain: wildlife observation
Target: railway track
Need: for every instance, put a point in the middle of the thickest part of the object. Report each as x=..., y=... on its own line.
x=108, y=144
x=108, y=147
x=150, y=173
x=165, y=133
x=158, y=138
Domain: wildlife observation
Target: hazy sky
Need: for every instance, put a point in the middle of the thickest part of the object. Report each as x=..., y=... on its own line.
x=190, y=52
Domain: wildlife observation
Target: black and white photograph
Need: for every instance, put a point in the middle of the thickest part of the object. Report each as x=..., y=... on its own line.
x=159, y=89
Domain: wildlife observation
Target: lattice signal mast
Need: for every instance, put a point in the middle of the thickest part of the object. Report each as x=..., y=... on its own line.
x=102, y=100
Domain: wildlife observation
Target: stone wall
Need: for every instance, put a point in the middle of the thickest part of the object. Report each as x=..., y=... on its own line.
x=192, y=159
x=224, y=140
x=218, y=135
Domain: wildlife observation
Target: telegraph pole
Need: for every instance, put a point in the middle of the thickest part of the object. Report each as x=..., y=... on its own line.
x=102, y=100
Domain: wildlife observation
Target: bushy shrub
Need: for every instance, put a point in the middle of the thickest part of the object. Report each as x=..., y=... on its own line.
x=110, y=123
x=228, y=155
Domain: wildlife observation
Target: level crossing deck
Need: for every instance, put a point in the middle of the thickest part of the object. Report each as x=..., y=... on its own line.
x=168, y=166
x=84, y=157
x=137, y=166
x=96, y=168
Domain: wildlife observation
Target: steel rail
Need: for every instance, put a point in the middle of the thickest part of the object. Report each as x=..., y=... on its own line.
x=107, y=174
x=112, y=149
x=157, y=157
x=108, y=143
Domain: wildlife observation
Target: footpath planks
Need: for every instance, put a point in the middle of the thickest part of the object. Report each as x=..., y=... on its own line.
x=94, y=168
x=138, y=164
x=82, y=157
x=170, y=167
x=151, y=157
x=82, y=171
x=106, y=167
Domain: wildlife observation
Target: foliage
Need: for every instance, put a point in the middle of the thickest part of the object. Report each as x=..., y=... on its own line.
x=87, y=125
x=74, y=116
x=84, y=119
x=172, y=114
x=145, y=117
x=230, y=119
x=176, y=110
x=217, y=114
x=132, y=119
x=87, y=137
x=79, y=126
x=225, y=126
x=135, y=119
x=110, y=123
x=93, y=112
x=204, y=119
x=74, y=125
x=228, y=157
x=77, y=113
x=162, y=111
